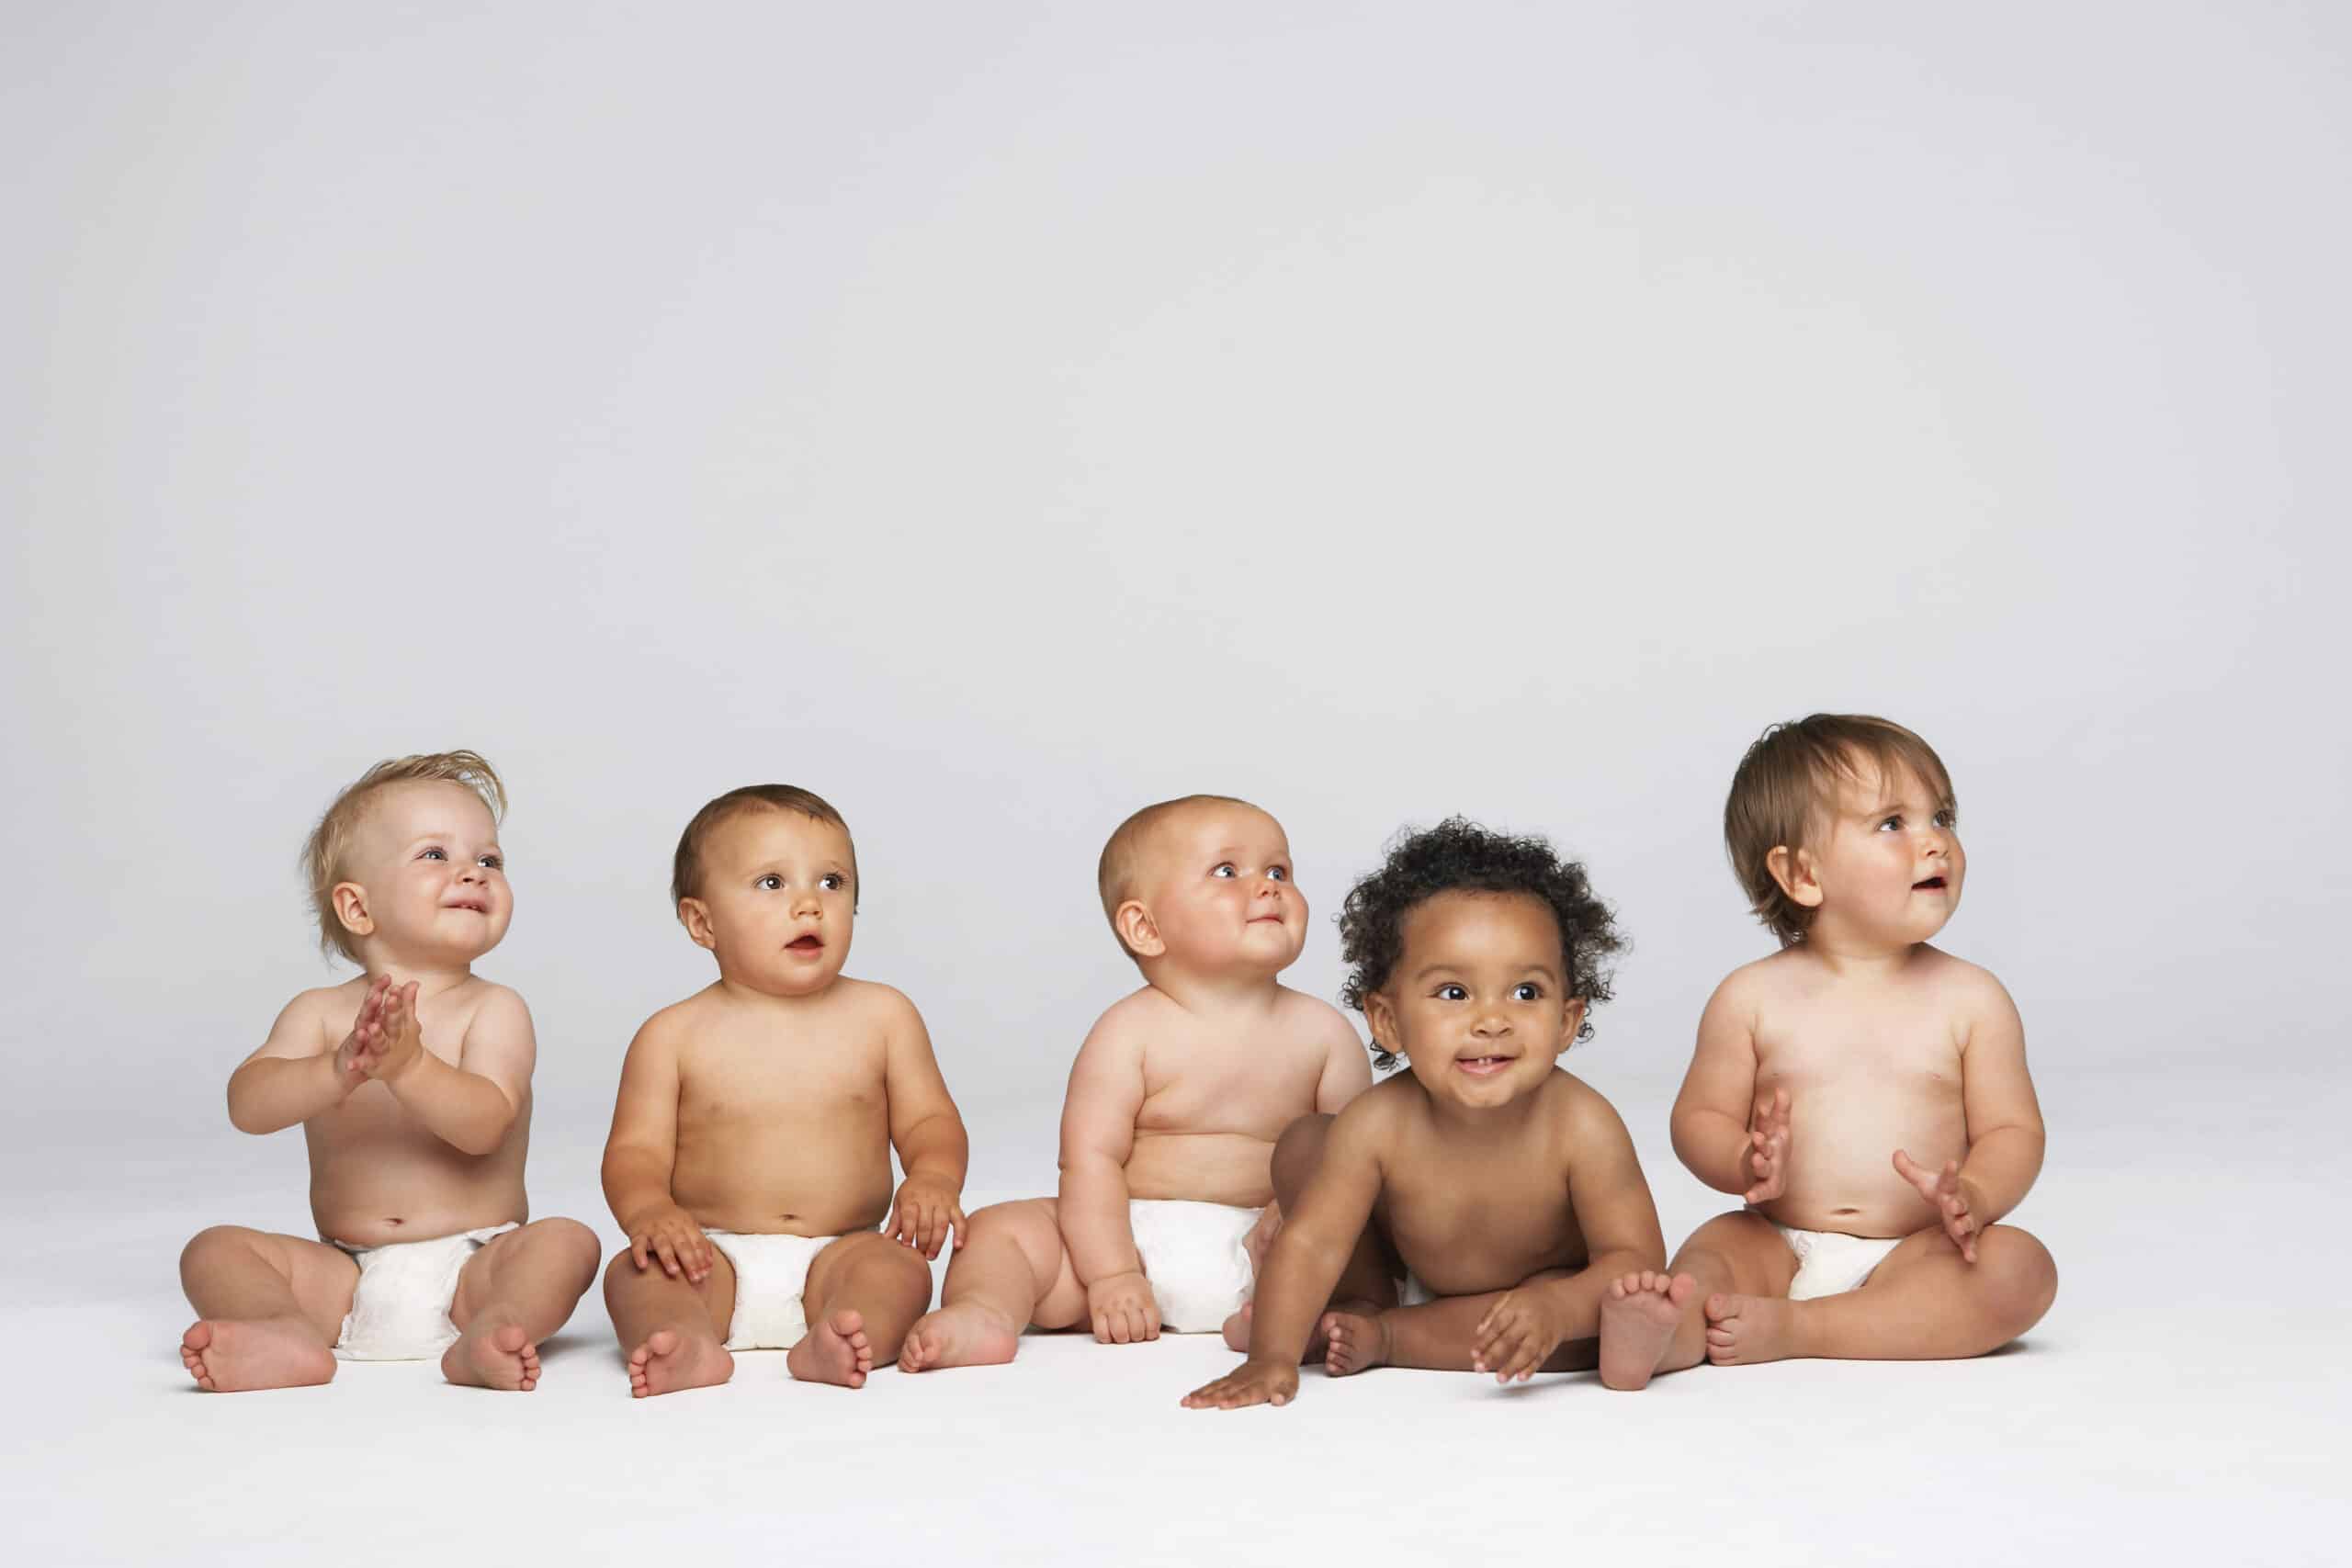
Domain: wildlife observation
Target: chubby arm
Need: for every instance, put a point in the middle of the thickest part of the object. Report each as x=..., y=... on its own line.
x=1306, y=1261
x=468, y=1104
x=642, y=1152
x=2005, y=1132
x=292, y=1077
x=1711, y=1119
x=1347, y=1069
x=1614, y=1211
x=1099, y=1114
x=928, y=1134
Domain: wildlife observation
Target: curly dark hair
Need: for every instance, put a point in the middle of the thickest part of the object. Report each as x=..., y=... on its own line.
x=1459, y=856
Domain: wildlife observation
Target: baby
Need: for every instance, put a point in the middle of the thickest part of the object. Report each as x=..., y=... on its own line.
x=412, y=1084
x=1504, y=1190
x=1174, y=1104
x=1865, y=1094
x=750, y=1155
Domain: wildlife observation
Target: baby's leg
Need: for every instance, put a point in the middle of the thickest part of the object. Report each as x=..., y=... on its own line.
x=1441, y=1336
x=1011, y=1272
x=512, y=1294
x=672, y=1333
x=269, y=1309
x=1924, y=1302
x=1653, y=1323
x=1367, y=1284
x=864, y=1293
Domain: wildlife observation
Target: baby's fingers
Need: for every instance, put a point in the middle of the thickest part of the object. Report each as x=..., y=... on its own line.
x=637, y=1245
x=664, y=1249
x=957, y=1223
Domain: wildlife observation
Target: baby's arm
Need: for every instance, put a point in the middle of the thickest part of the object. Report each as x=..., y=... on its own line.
x=472, y=1104
x=1728, y=1140
x=289, y=1078
x=642, y=1152
x=1306, y=1261
x=2005, y=1132
x=1614, y=1211
x=1347, y=1069
x=929, y=1134
x=1097, y=1135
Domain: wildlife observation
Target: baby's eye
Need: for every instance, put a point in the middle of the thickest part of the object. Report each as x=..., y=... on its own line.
x=1449, y=993
x=832, y=880
x=1226, y=870
x=1892, y=824
x=1947, y=819
x=769, y=883
x=1526, y=991
x=434, y=854
x=495, y=863
x=1278, y=873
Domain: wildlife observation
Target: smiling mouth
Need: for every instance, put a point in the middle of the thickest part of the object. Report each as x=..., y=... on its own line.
x=1936, y=883
x=475, y=909
x=1483, y=1066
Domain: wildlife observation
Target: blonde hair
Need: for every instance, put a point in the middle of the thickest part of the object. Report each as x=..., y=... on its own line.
x=1787, y=787
x=685, y=866
x=1122, y=862
x=323, y=851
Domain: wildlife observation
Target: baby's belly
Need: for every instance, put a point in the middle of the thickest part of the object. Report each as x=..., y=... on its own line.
x=1207, y=1168
x=1841, y=1173
x=374, y=1204
x=809, y=1193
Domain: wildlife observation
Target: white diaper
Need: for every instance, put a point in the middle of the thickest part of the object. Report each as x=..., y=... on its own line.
x=399, y=1309
x=1830, y=1263
x=1194, y=1256
x=771, y=1271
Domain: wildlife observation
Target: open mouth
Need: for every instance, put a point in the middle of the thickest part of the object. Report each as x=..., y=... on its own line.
x=1483, y=1066
x=1933, y=883
x=475, y=909
x=806, y=945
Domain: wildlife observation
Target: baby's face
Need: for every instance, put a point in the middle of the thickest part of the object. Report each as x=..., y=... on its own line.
x=433, y=878
x=1218, y=883
x=1890, y=866
x=776, y=902
x=1479, y=1002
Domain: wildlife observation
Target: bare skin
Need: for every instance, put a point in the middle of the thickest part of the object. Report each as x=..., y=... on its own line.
x=411, y=1083
x=768, y=1103
x=1506, y=1186
x=1862, y=1082
x=1181, y=1090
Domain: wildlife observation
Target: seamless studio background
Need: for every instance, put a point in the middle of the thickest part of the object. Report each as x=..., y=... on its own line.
x=997, y=418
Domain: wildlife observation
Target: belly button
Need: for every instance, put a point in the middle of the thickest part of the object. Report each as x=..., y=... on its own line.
x=395, y=1222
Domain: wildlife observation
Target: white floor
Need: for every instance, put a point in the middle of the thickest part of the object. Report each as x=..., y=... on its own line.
x=2185, y=1400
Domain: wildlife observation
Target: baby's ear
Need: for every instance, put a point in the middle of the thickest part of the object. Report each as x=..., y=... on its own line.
x=696, y=918
x=1381, y=1019
x=1138, y=929
x=1571, y=1020
x=1792, y=869
x=350, y=901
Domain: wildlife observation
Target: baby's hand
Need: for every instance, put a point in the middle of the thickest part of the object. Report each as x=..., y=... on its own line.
x=1123, y=1309
x=1516, y=1337
x=401, y=1039
x=1257, y=1383
x=361, y=1048
x=925, y=1214
x=668, y=1234
x=1767, y=1149
x=1950, y=1199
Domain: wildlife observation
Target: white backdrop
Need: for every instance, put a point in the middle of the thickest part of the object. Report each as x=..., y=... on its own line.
x=995, y=418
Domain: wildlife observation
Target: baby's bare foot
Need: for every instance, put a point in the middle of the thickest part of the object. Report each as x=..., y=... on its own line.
x=964, y=1334
x=1745, y=1330
x=1638, y=1318
x=669, y=1361
x=493, y=1355
x=833, y=1351
x=232, y=1357
x=1358, y=1342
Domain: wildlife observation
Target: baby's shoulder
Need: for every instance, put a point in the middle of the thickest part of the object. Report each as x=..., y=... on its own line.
x=1575, y=1107
x=1969, y=989
x=1312, y=1017
x=872, y=999
x=1139, y=1013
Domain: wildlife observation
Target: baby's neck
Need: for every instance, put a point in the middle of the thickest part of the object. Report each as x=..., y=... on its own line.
x=432, y=976
x=1856, y=955
x=1252, y=990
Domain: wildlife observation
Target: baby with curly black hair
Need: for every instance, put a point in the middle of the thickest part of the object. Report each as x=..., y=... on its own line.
x=1501, y=1188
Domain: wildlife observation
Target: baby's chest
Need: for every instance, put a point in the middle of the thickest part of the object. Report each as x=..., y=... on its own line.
x=798, y=1084
x=1823, y=1047
x=1260, y=1093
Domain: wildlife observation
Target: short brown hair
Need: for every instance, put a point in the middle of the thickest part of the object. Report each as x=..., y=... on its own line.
x=685, y=867
x=1114, y=873
x=1787, y=785
x=324, y=851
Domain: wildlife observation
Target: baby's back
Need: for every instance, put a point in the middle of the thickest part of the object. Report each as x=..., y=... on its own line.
x=784, y=1121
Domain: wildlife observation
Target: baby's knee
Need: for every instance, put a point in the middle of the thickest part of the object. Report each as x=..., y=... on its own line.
x=1296, y=1151
x=2023, y=1274
x=570, y=1240
x=212, y=1244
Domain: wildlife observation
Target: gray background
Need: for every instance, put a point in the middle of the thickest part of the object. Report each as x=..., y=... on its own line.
x=998, y=417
